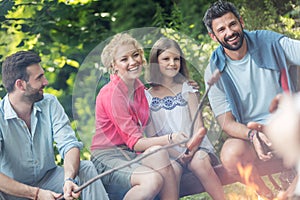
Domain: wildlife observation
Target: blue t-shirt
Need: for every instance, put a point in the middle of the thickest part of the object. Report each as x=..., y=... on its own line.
x=256, y=86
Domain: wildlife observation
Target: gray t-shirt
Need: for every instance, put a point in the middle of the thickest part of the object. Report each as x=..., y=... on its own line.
x=256, y=86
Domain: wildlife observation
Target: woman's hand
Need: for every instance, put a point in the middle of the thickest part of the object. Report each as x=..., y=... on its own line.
x=179, y=137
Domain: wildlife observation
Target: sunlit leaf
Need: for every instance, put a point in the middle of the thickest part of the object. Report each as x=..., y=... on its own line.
x=73, y=63
x=60, y=62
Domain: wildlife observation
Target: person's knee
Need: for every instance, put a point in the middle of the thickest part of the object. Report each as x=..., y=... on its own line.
x=230, y=158
x=157, y=181
x=234, y=151
x=154, y=178
x=158, y=160
x=160, y=152
x=201, y=159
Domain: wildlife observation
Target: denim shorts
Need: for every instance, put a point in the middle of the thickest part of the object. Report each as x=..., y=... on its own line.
x=107, y=159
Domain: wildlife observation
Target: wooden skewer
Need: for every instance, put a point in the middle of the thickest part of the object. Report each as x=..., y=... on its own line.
x=124, y=165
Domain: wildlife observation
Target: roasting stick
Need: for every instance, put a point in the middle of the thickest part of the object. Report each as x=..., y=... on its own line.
x=196, y=138
x=215, y=77
x=124, y=165
x=83, y=186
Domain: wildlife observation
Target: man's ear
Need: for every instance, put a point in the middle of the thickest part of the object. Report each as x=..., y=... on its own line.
x=242, y=22
x=212, y=36
x=20, y=84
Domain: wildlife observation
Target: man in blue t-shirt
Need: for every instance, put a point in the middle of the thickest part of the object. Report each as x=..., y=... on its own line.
x=254, y=68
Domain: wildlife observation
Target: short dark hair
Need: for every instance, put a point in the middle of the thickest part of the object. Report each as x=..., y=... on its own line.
x=14, y=68
x=216, y=10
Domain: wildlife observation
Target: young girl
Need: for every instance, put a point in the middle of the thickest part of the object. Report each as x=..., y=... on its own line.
x=122, y=112
x=173, y=104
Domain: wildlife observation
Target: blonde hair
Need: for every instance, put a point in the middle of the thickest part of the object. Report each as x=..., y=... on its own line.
x=109, y=51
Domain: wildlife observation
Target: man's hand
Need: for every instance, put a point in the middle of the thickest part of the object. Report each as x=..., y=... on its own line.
x=47, y=195
x=262, y=146
x=256, y=126
x=69, y=187
x=275, y=103
x=261, y=142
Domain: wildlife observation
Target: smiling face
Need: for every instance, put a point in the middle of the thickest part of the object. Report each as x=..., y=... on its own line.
x=169, y=62
x=35, y=84
x=128, y=62
x=228, y=31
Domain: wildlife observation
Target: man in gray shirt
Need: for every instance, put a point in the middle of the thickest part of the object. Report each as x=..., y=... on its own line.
x=30, y=123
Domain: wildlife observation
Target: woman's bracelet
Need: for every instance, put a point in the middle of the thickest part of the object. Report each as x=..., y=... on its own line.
x=36, y=197
x=251, y=134
x=170, y=139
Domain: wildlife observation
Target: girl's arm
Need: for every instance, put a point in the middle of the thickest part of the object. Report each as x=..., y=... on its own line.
x=193, y=102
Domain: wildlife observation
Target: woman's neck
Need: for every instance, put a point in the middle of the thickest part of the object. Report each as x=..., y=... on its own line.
x=130, y=87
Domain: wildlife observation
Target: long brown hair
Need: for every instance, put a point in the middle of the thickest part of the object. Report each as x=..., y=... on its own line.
x=153, y=75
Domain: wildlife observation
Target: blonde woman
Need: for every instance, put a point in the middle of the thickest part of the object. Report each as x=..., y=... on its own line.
x=122, y=113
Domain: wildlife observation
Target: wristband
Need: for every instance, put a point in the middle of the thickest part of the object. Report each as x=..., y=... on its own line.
x=37, y=194
x=72, y=180
x=170, y=139
x=251, y=134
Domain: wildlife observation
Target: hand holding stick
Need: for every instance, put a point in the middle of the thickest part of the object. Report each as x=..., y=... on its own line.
x=80, y=188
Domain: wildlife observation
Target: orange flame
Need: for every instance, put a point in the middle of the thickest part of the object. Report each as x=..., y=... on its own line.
x=251, y=187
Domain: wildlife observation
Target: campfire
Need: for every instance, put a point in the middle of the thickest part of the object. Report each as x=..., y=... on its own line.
x=250, y=186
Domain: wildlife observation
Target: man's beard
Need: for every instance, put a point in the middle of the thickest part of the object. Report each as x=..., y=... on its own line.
x=238, y=45
x=33, y=95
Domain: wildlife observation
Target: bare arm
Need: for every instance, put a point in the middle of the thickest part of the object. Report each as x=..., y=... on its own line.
x=193, y=103
x=231, y=127
x=12, y=187
x=71, y=163
x=150, y=129
x=238, y=130
x=71, y=167
x=15, y=188
x=144, y=143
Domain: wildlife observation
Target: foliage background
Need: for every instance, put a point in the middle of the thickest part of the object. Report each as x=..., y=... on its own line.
x=65, y=32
